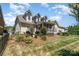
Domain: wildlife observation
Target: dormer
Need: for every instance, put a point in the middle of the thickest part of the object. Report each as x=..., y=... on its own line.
x=43, y=18
x=38, y=17
x=28, y=16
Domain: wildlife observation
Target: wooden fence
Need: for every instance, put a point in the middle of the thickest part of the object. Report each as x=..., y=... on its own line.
x=3, y=43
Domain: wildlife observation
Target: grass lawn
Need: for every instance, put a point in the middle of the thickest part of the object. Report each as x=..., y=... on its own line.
x=40, y=48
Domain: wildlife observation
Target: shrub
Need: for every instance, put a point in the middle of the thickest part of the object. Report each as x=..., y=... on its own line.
x=43, y=38
x=37, y=32
x=43, y=31
x=73, y=30
x=77, y=32
x=28, y=40
x=64, y=33
x=58, y=33
x=28, y=33
x=23, y=38
x=19, y=38
x=31, y=30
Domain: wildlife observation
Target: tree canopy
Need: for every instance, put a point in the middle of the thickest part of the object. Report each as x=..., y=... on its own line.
x=74, y=8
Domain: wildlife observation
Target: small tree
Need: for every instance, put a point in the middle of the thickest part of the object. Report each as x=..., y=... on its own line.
x=43, y=31
x=31, y=29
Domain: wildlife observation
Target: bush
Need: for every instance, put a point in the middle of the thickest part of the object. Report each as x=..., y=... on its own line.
x=31, y=30
x=43, y=38
x=37, y=32
x=28, y=40
x=23, y=38
x=77, y=32
x=28, y=33
x=19, y=38
x=64, y=33
x=73, y=30
x=58, y=33
x=43, y=31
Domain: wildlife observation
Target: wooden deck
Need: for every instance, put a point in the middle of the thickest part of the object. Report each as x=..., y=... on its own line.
x=3, y=43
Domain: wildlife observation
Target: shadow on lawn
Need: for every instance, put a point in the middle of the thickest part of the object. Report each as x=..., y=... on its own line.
x=68, y=52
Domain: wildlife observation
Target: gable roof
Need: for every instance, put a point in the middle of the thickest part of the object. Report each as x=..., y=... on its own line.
x=22, y=21
x=55, y=22
x=59, y=26
x=26, y=24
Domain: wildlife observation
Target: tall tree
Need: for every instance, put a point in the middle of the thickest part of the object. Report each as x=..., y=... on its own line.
x=74, y=8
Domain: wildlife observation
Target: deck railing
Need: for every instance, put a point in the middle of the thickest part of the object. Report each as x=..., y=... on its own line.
x=3, y=42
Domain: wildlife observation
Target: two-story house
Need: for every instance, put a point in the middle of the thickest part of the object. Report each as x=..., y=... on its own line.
x=23, y=23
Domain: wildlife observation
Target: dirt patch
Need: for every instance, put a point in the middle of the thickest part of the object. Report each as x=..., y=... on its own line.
x=39, y=41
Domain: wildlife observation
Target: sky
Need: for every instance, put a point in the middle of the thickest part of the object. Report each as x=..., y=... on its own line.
x=54, y=11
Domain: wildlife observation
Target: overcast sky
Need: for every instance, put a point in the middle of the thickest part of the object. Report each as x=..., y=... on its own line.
x=53, y=11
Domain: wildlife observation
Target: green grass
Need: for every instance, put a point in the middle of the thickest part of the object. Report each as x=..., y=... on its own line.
x=60, y=43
